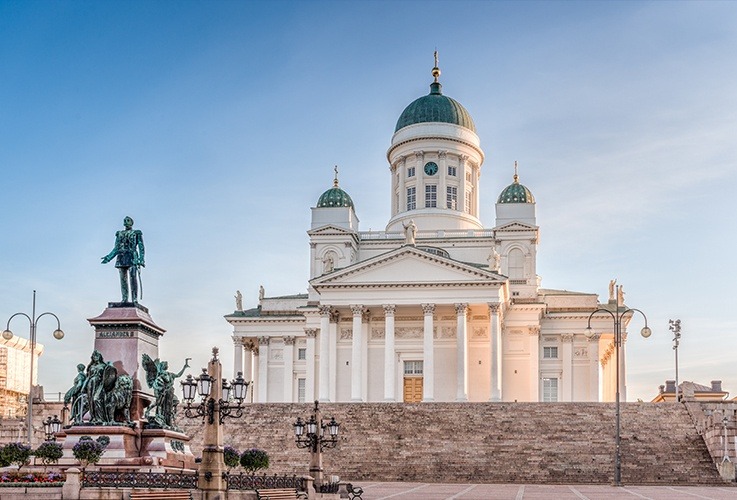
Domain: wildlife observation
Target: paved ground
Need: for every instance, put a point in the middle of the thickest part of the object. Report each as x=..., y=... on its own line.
x=420, y=491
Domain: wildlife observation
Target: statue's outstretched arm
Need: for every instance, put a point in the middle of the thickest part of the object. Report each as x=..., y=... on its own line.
x=186, y=365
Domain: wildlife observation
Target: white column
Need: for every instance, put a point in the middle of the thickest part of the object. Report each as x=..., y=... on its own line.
x=334, y=328
x=263, y=370
x=248, y=360
x=255, y=362
x=364, y=353
x=566, y=378
x=462, y=165
x=324, y=392
x=461, y=353
x=442, y=177
x=534, y=332
x=402, y=186
x=356, y=355
x=311, y=333
x=237, y=355
x=428, y=368
x=495, y=346
x=594, y=369
x=288, y=396
x=390, y=381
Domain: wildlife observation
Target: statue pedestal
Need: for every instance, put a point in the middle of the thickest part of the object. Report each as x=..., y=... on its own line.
x=123, y=333
x=156, y=448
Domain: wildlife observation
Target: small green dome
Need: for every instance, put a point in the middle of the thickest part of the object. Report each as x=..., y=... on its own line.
x=435, y=107
x=516, y=192
x=334, y=197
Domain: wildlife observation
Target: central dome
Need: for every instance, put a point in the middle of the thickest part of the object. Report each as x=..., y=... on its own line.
x=435, y=107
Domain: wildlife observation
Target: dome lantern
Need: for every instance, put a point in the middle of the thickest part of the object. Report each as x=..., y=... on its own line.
x=516, y=192
x=334, y=197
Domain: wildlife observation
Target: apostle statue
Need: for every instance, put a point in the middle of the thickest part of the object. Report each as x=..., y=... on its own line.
x=410, y=232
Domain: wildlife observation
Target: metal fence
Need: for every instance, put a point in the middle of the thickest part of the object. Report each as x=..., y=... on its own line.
x=249, y=482
x=119, y=479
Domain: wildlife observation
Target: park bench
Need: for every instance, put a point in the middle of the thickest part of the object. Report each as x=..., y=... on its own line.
x=354, y=491
x=279, y=494
x=161, y=495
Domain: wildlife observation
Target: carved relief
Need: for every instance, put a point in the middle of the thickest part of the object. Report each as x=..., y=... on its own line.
x=276, y=354
x=581, y=352
x=346, y=333
x=566, y=337
x=377, y=333
x=480, y=318
x=479, y=332
x=409, y=332
x=448, y=332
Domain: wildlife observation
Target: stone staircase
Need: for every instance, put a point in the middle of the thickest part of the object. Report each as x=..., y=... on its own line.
x=483, y=442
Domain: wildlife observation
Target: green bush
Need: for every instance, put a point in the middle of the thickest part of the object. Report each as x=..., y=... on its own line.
x=49, y=452
x=15, y=453
x=254, y=459
x=231, y=457
x=88, y=451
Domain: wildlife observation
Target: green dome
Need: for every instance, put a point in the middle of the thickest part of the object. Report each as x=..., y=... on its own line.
x=435, y=107
x=516, y=193
x=334, y=197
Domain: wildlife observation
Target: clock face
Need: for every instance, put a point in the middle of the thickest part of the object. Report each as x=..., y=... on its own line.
x=431, y=168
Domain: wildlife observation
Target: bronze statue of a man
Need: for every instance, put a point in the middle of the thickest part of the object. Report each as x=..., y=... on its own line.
x=130, y=258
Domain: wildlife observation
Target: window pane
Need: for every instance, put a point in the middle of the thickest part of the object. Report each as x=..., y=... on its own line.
x=452, y=197
x=411, y=198
x=431, y=196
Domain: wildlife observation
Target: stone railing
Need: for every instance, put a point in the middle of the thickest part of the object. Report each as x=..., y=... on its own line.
x=717, y=423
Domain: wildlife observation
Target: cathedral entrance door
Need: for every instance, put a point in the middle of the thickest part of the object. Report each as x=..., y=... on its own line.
x=412, y=381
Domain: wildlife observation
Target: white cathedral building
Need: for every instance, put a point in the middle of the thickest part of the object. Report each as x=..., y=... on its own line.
x=437, y=307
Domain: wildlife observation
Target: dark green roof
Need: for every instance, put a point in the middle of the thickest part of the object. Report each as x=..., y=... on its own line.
x=435, y=107
x=334, y=197
x=516, y=193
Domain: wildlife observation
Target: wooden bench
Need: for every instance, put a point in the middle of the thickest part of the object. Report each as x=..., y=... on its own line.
x=161, y=495
x=278, y=494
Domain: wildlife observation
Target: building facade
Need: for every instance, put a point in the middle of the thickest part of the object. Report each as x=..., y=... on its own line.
x=437, y=307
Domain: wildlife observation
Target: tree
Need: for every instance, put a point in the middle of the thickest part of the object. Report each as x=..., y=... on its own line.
x=231, y=456
x=254, y=459
x=89, y=451
x=15, y=453
x=49, y=452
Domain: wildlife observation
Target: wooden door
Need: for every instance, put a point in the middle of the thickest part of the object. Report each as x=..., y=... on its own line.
x=412, y=389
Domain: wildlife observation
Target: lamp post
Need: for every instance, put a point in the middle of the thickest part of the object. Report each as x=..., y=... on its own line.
x=618, y=316
x=51, y=427
x=7, y=335
x=310, y=434
x=216, y=404
x=675, y=327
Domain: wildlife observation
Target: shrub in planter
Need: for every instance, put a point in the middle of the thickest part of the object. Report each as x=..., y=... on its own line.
x=49, y=452
x=89, y=451
x=254, y=459
x=15, y=453
x=231, y=457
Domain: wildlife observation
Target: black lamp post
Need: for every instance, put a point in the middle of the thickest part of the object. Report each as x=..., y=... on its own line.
x=217, y=402
x=618, y=316
x=51, y=427
x=7, y=335
x=311, y=434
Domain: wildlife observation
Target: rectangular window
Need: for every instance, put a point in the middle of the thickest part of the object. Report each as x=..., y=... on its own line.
x=301, y=389
x=452, y=197
x=413, y=367
x=452, y=171
x=468, y=202
x=468, y=176
x=431, y=196
x=302, y=354
x=411, y=198
x=550, y=390
x=550, y=352
x=410, y=171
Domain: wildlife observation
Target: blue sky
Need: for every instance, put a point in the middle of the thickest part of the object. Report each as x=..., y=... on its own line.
x=216, y=125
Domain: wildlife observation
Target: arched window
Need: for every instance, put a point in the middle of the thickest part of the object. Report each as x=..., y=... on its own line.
x=516, y=264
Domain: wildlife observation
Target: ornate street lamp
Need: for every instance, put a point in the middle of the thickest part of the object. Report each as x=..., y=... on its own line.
x=217, y=402
x=618, y=316
x=675, y=327
x=311, y=434
x=51, y=427
x=7, y=335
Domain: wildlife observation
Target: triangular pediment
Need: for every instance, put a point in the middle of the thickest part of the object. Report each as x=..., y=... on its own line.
x=407, y=265
x=516, y=226
x=329, y=230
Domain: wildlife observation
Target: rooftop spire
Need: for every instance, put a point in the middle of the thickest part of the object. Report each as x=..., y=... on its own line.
x=436, y=69
x=516, y=177
x=335, y=181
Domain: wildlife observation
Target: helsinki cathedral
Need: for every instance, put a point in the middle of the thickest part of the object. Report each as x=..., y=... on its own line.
x=438, y=306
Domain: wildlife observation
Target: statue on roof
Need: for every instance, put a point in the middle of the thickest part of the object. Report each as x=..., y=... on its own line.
x=129, y=252
x=612, y=284
x=238, y=300
x=261, y=292
x=410, y=232
x=494, y=259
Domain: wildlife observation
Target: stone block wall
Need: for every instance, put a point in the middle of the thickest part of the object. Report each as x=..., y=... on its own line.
x=483, y=442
